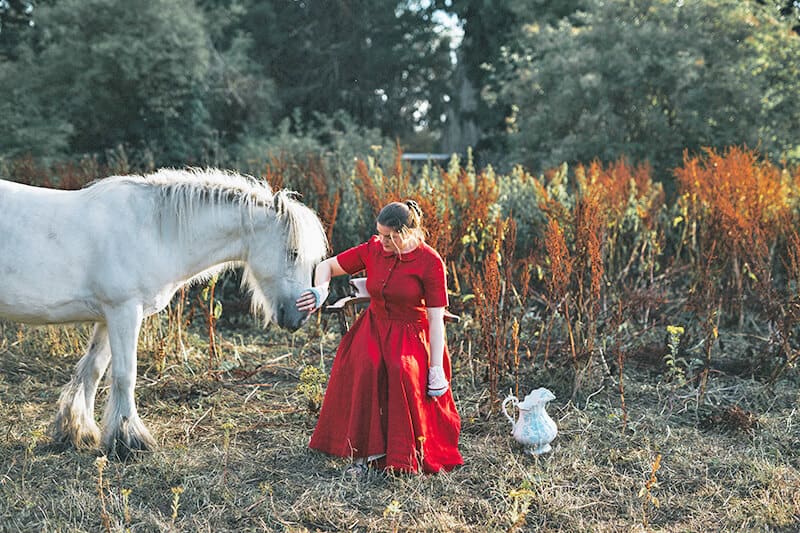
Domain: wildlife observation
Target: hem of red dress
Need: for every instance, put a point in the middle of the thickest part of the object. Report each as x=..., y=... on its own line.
x=389, y=466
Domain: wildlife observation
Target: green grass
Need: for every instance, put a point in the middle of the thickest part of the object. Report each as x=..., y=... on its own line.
x=233, y=453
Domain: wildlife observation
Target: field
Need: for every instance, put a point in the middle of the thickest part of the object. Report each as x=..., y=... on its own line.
x=667, y=326
x=232, y=450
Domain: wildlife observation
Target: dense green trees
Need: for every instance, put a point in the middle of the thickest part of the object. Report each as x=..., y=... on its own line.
x=186, y=80
x=380, y=60
x=647, y=79
x=100, y=74
x=535, y=82
x=15, y=17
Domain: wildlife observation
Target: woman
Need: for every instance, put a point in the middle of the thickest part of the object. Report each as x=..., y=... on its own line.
x=388, y=401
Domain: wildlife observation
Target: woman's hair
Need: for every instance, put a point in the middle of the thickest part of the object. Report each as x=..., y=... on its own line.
x=404, y=218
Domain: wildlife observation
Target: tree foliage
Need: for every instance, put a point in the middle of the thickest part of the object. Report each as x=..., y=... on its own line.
x=536, y=82
x=108, y=75
x=648, y=79
x=187, y=80
x=15, y=17
x=381, y=60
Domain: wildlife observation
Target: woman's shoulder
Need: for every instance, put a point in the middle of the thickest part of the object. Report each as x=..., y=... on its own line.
x=429, y=252
x=371, y=245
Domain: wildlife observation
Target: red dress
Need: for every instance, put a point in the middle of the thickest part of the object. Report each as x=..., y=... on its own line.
x=376, y=401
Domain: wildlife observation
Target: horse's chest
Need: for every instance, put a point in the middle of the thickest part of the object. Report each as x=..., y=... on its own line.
x=159, y=301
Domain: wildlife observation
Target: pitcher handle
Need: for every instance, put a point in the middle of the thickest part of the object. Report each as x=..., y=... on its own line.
x=503, y=406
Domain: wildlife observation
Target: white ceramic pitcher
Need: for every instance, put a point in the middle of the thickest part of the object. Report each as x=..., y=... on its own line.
x=534, y=429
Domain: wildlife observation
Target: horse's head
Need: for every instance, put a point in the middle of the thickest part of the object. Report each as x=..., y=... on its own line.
x=282, y=259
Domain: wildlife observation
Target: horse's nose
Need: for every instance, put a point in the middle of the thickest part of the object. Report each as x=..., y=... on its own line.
x=289, y=318
x=280, y=316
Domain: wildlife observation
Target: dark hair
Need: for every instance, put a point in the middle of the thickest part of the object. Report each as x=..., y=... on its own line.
x=402, y=217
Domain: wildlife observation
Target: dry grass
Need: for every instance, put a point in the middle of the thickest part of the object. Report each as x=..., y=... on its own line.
x=233, y=453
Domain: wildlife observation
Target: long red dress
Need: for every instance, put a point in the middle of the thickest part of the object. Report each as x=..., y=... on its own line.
x=376, y=401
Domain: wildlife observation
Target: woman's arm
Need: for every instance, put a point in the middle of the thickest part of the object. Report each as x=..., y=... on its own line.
x=327, y=269
x=436, y=334
x=437, y=382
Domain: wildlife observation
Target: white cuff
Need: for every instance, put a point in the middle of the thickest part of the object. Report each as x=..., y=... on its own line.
x=437, y=382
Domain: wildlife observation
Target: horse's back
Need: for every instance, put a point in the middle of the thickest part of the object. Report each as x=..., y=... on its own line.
x=36, y=219
x=52, y=242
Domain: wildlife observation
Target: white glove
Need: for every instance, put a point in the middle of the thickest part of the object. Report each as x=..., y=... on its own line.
x=318, y=296
x=321, y=292
x=437, y=383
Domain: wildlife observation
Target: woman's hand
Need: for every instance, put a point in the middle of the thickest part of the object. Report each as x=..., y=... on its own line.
x=437, y=382
x=312, y=299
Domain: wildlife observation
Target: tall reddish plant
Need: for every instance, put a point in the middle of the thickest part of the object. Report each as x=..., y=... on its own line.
x=630, y=204
x=588, y=260
x=313, y=181
x=488, y=288
x=67, y=175
x=497, y=303
x=558, y=282
x=737, y=201
x=588, y=280
x=325, y=199
x=736, y=208
x=786, y=310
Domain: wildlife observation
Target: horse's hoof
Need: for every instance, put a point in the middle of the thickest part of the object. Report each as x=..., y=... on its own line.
x=66, y=435
x=127, y=449
x=86, y=441
x=124, y=444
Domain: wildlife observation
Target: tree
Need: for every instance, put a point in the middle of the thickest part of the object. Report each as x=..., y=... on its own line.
x=109, y=74
x=16, y=16
x=787, y=9
x=27, y=124
x=648, y=79
x=380, y=60
x=491, y=31
x=473, y=120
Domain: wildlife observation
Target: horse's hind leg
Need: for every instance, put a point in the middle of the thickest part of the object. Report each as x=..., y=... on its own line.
x=74, y=423
x=124, y=431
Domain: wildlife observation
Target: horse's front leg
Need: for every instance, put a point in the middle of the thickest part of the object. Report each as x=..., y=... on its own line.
x=74, y=423
x=123, y=431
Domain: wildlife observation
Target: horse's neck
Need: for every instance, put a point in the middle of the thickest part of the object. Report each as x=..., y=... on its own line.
x=212, y=237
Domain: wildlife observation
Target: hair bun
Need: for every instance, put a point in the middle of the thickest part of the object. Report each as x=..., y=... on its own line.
x=414, y=206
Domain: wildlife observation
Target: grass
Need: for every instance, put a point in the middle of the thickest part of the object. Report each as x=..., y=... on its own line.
x=233, y=455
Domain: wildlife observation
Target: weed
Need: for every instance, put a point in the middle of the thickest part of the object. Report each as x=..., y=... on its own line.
x=738, y=206
x=212, y=309
x=176, y=501
x=393, y=511
x=126, y=512
x=557, y=286
x=227, y=428
x=676, y=364
x=421, y=451
x=646, y=492
x=311, y=386
x=522, y=498
x=33, y=440
x=101, y=463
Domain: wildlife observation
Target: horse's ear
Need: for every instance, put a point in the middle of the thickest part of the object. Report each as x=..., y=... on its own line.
x=280, y=199
x=277, y=203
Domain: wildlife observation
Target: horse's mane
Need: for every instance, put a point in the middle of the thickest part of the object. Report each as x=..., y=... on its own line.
x=183, y=191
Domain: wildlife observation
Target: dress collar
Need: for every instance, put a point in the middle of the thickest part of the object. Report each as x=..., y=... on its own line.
x=404, y=258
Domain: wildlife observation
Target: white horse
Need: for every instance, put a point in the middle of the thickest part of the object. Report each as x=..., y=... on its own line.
x=116, y=251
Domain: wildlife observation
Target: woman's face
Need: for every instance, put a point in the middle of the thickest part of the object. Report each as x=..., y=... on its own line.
x=391, y=240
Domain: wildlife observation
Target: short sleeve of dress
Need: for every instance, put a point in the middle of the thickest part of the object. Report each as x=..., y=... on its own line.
x=354, y=259
x=435, y=284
